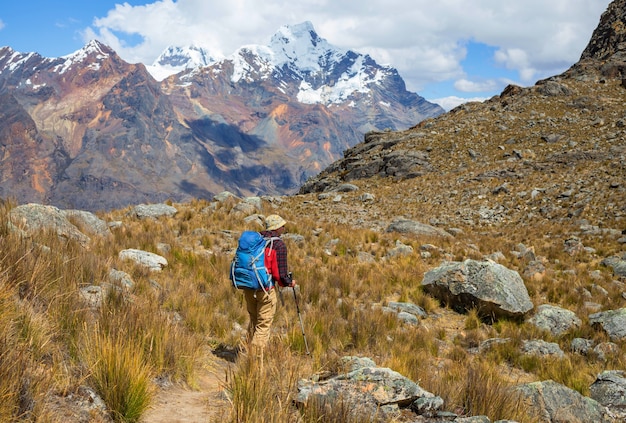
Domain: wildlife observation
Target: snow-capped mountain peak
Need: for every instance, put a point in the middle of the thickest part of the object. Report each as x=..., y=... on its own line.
x=300, y=46
x=327, y=73
x=176, y=59
x=93, y=49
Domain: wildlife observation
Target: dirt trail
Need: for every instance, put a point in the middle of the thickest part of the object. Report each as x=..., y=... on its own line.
x=207, y=403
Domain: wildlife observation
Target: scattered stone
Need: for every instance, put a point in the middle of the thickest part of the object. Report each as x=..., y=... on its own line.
x=346, y=188
x=605, y=349
x=153, y=262
x=225, y=196
x=542, y=348
x=399, y=250
x=89, y=222
x=121, y=277
x=613, y=322
x=367, y=197
x=555, y=320
x=554, y=403
x=371, y=393
x=609, y=389
x=152, y=211
x=573, y=246
x=409, y=308
x=581, y=346
x=406, y=226
x=33, y=218
x=617, y=263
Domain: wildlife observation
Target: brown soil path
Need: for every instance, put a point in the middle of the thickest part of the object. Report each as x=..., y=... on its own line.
x=207, y=403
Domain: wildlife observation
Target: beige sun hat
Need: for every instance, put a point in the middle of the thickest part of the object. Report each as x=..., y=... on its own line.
x=273, y=222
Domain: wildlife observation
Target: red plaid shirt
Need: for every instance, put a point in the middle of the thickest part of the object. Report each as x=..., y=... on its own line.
x=276, y=259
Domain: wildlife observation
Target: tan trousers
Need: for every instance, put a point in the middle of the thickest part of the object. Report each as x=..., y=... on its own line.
x=261, y=308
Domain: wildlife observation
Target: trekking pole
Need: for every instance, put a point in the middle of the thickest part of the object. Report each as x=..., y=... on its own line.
x=306, y=345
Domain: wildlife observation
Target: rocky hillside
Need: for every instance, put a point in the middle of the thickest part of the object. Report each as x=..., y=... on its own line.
x=553, y=153
x=91, y=131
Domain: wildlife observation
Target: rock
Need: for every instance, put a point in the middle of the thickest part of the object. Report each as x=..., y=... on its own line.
x=609, y=389
x=416, y=228
x=427, y=405
x=552, y=402
x=89, y=222
x=364, y=257
x=408, y=308
x=490, y=288
x=573, y=246
x=257, y=202
x=400, y=250
x=371, y=393
x=224, y=196
x=33, y=218
x=352, y=363
x=605, y=349
x=345, y=188
x=581, y=346
x=91, y=296
x=612, y=321
x=121, y=277
x=555, y=320
x=618, y=264
x=244, y=208
x=153, y=262
x=153, y=211
x=542, y=348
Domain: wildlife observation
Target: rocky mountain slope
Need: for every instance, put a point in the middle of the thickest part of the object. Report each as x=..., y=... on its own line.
x=553, y=153
x=91, y=131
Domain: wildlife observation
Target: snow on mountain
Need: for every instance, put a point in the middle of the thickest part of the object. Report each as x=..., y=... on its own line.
x=328, y=74
x=177, y=59
x=93, y=49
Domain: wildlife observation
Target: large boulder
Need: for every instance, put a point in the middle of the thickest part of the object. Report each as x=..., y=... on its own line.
x=552, y=402
x=490, y=288
x=612, y=321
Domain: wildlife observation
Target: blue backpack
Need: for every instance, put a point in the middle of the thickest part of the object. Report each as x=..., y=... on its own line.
x=247, y=269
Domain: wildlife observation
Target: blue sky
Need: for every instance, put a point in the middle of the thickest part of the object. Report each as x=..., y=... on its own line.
x=448, y=51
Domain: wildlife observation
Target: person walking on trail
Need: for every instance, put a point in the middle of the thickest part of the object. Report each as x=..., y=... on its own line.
x=260, y=303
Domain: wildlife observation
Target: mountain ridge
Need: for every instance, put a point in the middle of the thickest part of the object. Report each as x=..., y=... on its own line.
x=204, y=132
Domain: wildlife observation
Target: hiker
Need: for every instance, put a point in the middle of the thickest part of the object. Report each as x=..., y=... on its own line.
x=261, y=304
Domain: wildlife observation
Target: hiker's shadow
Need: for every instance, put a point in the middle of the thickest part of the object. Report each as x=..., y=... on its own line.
x=227, y=352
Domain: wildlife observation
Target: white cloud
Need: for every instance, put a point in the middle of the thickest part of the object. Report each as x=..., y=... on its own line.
x=1, y=24
x=423, y=39
x=468, y=86
x=449, y=103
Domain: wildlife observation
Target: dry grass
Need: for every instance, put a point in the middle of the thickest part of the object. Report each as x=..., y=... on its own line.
x=52, y=341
